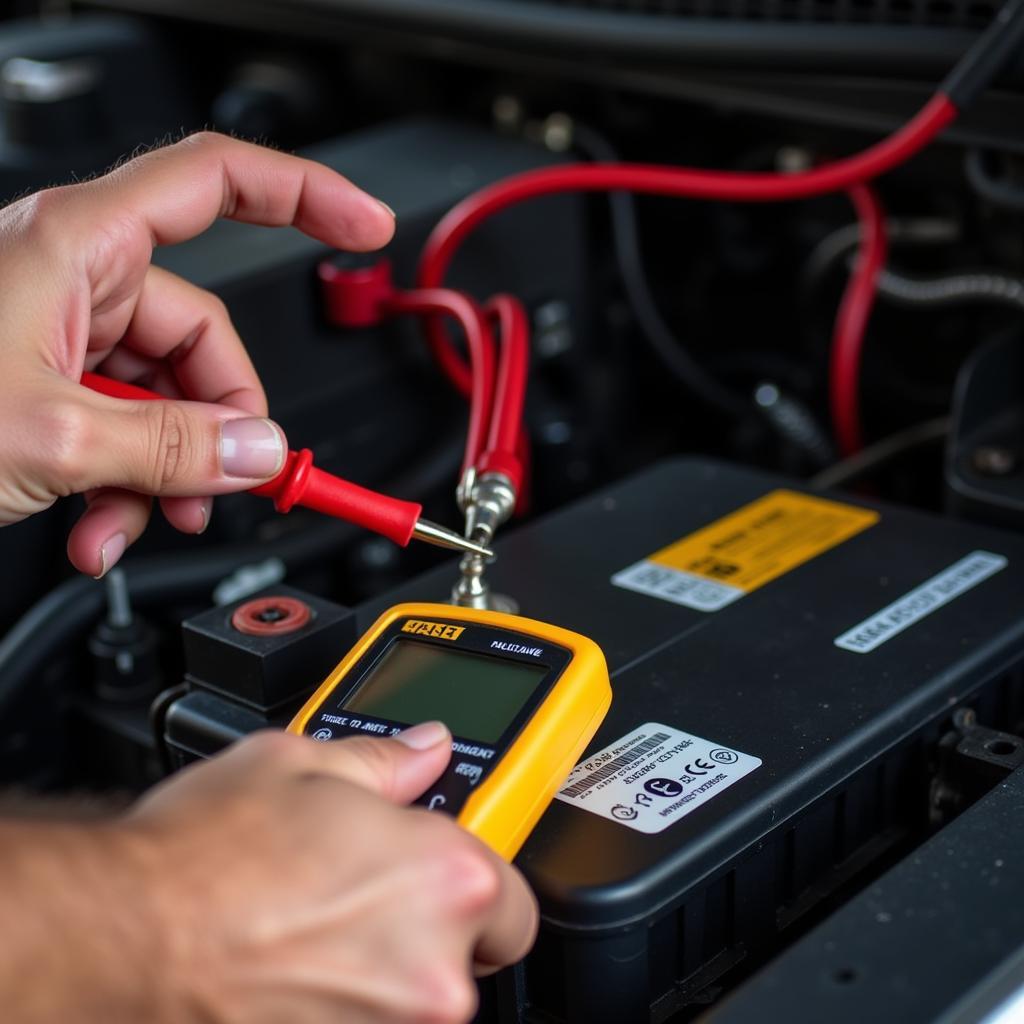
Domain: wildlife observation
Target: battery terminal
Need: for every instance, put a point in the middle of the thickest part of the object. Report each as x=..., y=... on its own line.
x=487, y=501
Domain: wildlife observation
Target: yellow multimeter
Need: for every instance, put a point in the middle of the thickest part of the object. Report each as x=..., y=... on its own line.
x=522, y=700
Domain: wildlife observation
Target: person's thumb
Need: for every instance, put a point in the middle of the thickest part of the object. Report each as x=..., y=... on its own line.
x=166, y=447
x=398, y=769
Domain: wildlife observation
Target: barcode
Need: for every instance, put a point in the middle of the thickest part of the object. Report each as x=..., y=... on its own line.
x=616, y=764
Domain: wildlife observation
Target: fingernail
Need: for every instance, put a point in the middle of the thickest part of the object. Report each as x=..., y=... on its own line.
x=111, y=551
x=251, y=448
x=425, y=735
x=388, y=208
x=204, y=510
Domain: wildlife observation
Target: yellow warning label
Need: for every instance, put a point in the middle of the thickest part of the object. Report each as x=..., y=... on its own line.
x=765, y=539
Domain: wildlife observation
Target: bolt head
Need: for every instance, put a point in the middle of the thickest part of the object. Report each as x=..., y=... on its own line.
x=994, y=460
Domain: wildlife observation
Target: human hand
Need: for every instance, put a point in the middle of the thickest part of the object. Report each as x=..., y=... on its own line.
x=79, y=293
x=290, y=884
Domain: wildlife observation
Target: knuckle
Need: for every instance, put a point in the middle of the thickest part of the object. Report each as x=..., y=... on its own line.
x=46, y=204
x=215, y=316
x=445, y=996
x=474, y=879
x=209, y=150
x=41, y=217
x=270, y=746
x=457, y=865
x=217, y=308
x=205, y=147
x=63, y=427
x=174, y=447
x=373, y=757
x=202, y=140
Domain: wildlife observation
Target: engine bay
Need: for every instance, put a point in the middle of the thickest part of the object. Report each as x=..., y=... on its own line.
x=736, y=390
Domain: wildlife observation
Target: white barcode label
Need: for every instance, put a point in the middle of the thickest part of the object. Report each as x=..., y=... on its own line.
x=654, y=776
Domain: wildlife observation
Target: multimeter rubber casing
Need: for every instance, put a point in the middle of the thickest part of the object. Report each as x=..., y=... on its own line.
x=537, y=692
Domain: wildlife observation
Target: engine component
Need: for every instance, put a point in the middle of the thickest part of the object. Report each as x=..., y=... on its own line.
x=807, y=686
x=669, y=31
x=124, y=648
x=985, y=461
x=272, y=97
x=267, y=668
x=248, y=665
x=488, y=502
x=76, y=97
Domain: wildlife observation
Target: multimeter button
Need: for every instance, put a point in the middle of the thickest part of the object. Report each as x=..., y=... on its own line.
x=448, y=794
x=468, y=770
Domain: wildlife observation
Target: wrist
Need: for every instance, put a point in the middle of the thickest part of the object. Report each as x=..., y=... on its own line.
x=82, y=938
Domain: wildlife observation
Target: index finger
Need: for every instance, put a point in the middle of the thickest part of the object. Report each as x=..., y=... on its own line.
x=177, y=192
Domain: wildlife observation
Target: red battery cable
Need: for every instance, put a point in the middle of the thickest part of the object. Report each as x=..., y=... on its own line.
x=852, y=320
x=480, y=345
x=506, y=438
x=690, y=183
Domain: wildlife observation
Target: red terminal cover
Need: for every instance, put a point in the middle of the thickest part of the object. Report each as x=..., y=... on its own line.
x=355, y=296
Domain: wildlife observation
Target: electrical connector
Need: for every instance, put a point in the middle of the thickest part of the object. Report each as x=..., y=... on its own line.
x=356, y=289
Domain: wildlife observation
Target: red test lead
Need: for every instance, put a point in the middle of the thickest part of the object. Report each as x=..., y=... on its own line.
x=301, y=483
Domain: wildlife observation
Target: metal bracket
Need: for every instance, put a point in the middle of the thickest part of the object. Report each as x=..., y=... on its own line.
x=972, y=759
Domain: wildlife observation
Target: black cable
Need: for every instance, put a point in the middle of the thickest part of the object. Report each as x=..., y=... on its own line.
x=157, y=717
x=988, y=185
x=986, y=56
x=881, y=453
x=662, y=340
x=957, y=288
x=969, y=77
x=836, y=246
x=63, y=615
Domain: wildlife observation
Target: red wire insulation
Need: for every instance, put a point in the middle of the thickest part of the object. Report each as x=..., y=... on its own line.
x=507, y=315
x=690, y=183
x=852, y=319
x=478, y=382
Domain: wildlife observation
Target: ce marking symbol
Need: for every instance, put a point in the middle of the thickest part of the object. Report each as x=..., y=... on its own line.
x=702, y=767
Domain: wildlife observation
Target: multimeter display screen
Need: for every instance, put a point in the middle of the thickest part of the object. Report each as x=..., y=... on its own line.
x=475, y=696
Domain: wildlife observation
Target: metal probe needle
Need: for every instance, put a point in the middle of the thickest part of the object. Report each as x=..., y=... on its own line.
x=445, y=538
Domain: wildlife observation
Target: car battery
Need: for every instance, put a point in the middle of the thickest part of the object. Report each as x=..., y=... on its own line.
x=784, y=665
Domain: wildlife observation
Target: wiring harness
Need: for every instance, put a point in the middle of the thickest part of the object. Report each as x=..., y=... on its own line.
x=972, y=74
x=495, y=385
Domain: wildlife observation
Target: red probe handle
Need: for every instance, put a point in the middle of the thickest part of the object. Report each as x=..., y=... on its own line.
x=301, y=483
